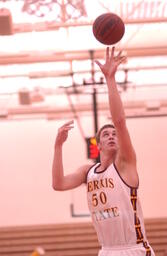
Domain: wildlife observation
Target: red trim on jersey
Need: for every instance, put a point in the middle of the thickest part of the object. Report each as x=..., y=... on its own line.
x=137, y=225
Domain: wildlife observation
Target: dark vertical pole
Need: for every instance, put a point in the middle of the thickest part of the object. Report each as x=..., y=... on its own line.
x=94, y=97
x=95, y=110
x=94, y=92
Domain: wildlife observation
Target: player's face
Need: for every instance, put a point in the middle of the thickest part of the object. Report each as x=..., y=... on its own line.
x=108, y=140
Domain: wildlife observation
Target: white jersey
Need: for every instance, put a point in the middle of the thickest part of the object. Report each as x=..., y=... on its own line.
x=115, y=210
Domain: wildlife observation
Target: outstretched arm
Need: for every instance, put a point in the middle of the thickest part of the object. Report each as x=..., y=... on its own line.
x=59, y=180
x=126, y=151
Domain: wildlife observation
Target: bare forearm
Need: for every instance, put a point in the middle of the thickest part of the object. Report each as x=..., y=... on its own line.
x=115, y=102
x=59, y=180
x=57, y=167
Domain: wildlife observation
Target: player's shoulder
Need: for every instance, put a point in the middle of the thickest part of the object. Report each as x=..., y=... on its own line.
x=86, y=167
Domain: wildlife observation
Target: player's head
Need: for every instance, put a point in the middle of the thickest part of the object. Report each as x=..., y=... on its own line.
x=106, y=138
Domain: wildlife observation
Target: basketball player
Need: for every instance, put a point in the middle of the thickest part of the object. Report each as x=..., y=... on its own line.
x=112, y=183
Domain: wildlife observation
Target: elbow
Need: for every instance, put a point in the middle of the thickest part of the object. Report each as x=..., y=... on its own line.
x=57, y=187
x=54, y=187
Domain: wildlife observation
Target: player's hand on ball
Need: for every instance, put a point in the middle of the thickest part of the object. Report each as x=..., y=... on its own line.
x=63, y=132
x=112, y=62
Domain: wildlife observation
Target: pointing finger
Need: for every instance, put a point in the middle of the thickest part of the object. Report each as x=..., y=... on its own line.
x=107, y=53
x=69, y=123
x=121, y=59
x=112, y=52
x=119, y=54
x=98, y=63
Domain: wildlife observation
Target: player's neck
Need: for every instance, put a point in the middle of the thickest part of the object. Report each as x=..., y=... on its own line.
x=106, y=159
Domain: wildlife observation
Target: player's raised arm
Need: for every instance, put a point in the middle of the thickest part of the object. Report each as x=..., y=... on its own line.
x=59, y=180
x=109, y=69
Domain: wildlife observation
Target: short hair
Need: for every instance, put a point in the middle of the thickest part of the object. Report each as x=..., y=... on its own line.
x=101, y=129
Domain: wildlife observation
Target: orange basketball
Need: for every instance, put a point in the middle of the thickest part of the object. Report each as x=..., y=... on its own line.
x=108, y=28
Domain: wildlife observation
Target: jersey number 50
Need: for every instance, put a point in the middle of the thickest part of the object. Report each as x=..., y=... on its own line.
x=102, y=197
